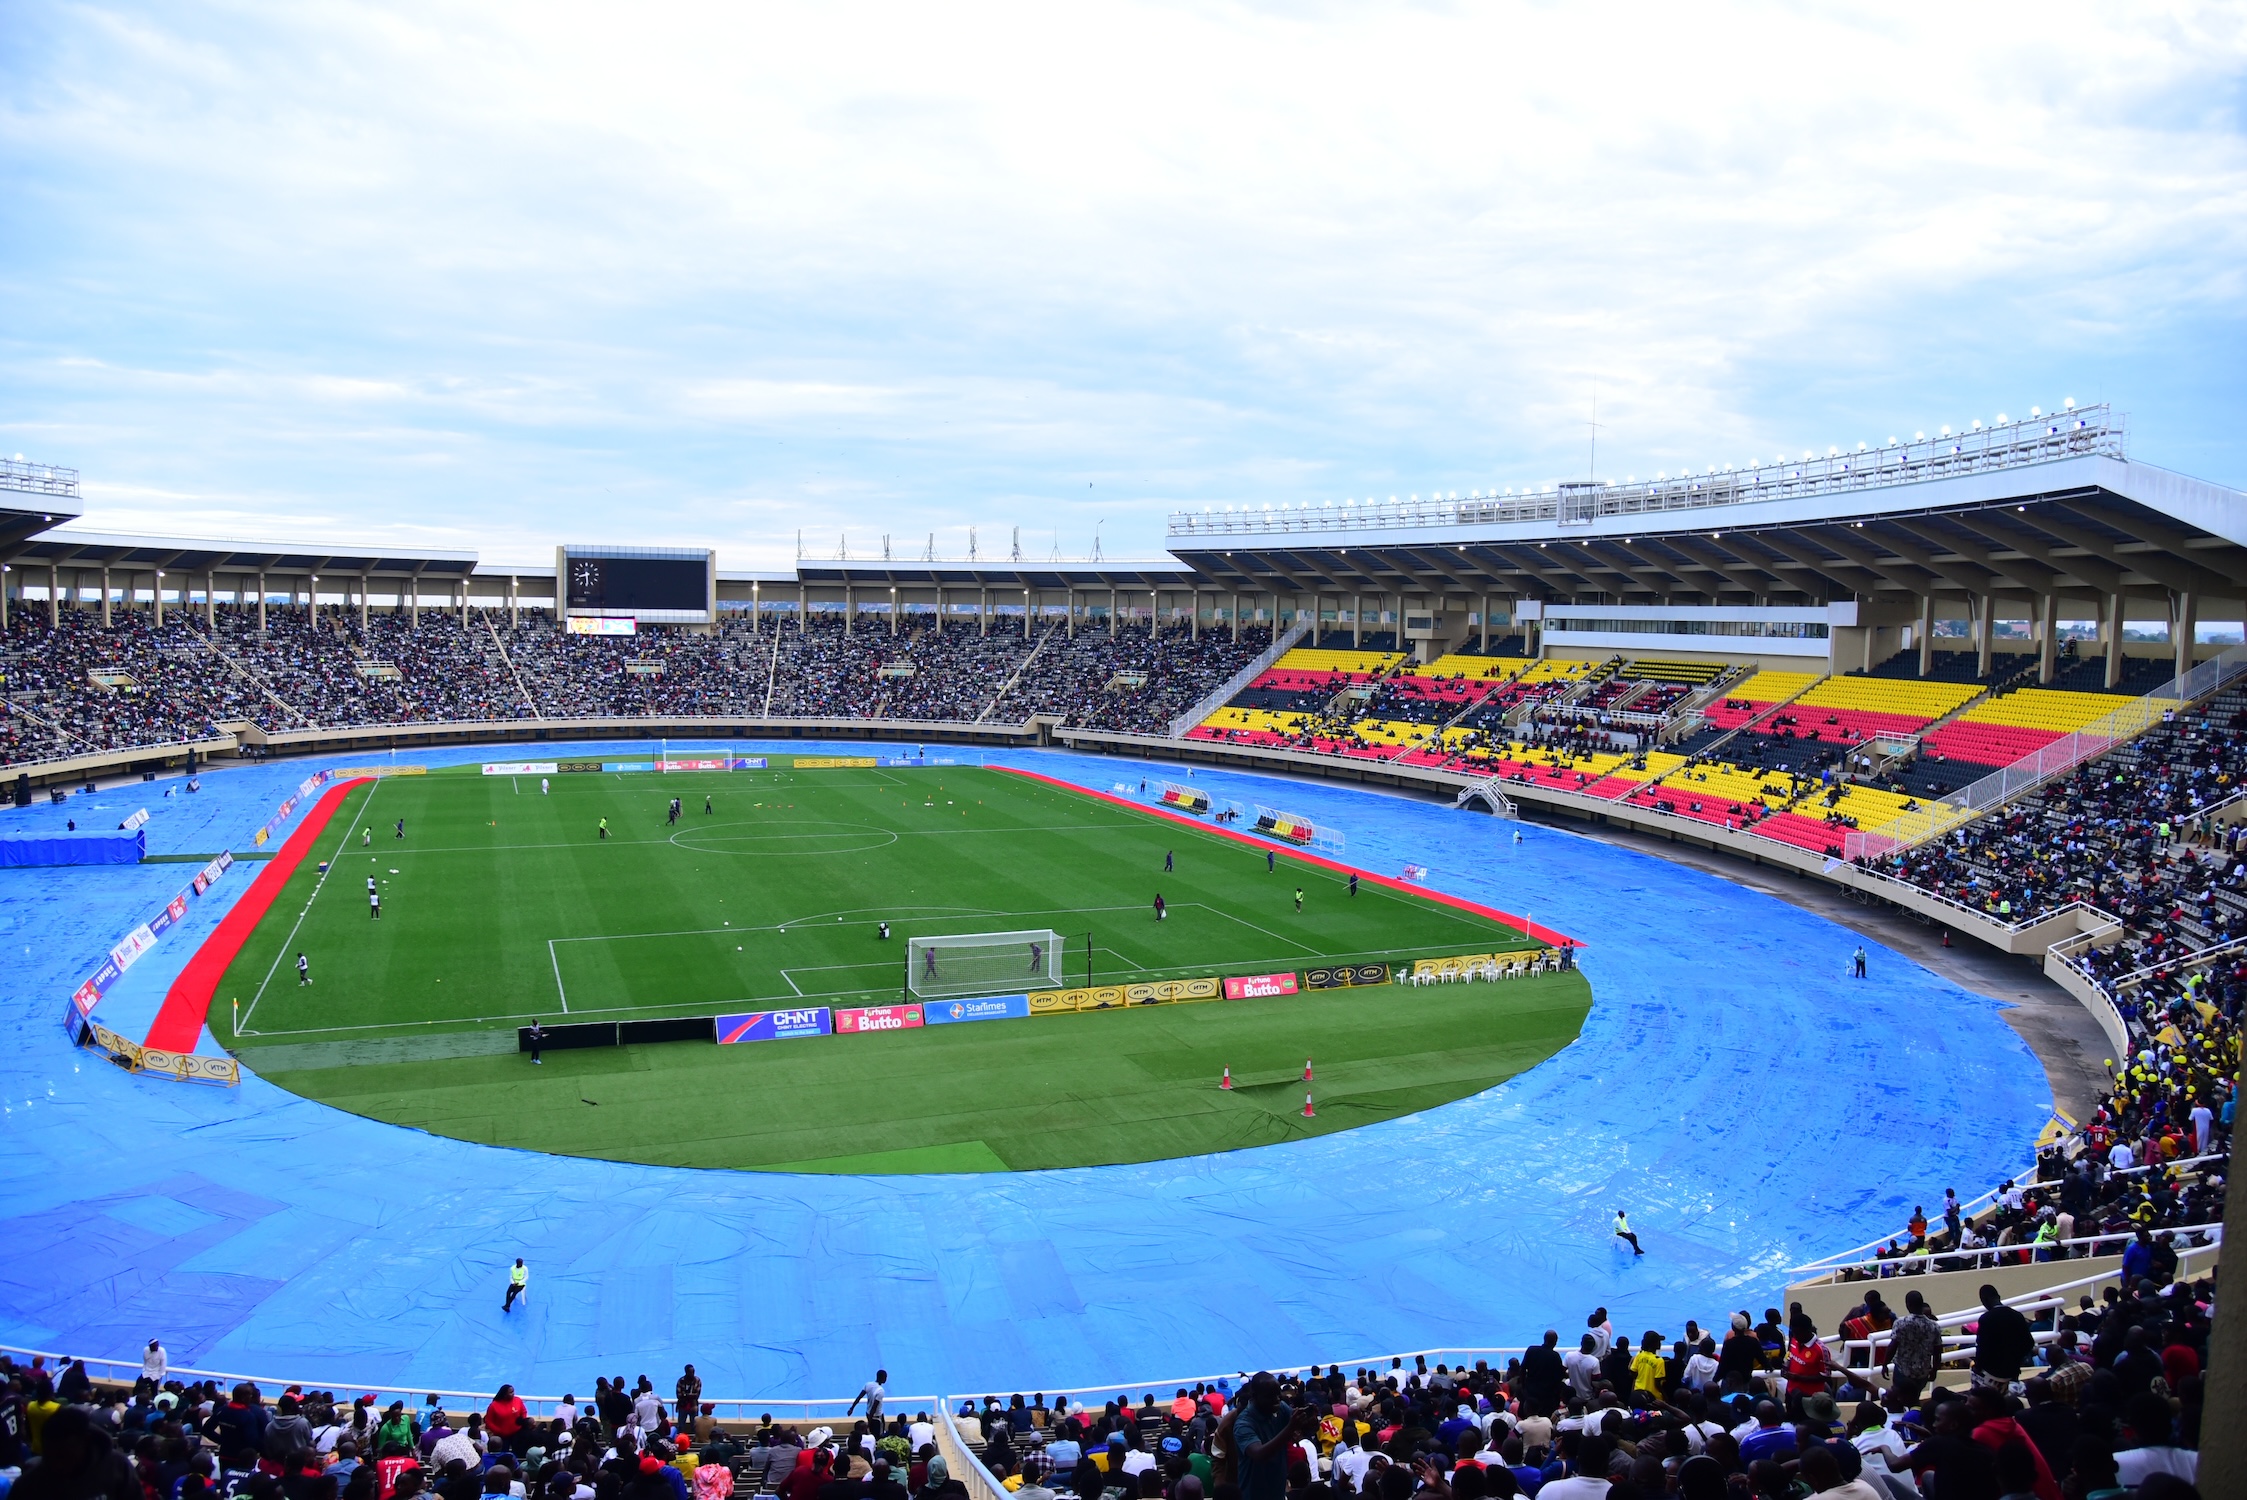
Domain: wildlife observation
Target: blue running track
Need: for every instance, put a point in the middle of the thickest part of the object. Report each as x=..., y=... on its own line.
x=1749, y=1104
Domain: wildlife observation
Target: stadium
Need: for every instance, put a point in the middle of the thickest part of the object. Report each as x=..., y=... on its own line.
x=1367, y=901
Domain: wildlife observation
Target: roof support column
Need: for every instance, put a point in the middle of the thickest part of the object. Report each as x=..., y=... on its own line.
x=756, y=603
x=1069, y=608
x=105, y=597
x=1926, y=634
x=1984, y=630
x=803, y=609
x=413, y=602
x=54, y=597
x=2111, y=631
x=1025, y=614
x=366, y=587
x=1112, y=597
x=1357, y=621
x=2047, y=635
x=893, y=609
x=1194, y=629
x=261, y=603
x=983, y=610
x=1236, y=615
x=1484, y=617
x=850, y=609
x=514, y=600
x=2184, y=624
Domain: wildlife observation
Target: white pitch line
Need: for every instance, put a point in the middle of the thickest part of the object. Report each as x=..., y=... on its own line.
x=317, y=885
x=560, y=993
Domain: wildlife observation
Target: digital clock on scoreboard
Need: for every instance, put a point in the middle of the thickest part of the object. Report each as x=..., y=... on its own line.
x=661, y=585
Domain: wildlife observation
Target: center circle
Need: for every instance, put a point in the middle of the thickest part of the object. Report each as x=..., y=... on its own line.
x=783, y=837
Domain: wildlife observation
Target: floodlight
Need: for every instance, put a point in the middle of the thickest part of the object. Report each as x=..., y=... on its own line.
x=2069, y=404
x=2002, y=419
x=2036, y=411
x=1919, y=437
x=1946, y=429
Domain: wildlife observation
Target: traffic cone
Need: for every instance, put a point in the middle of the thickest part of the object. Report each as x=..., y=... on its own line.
x=1226, y=1082
x=1308, y=1112
x=1306, y=1070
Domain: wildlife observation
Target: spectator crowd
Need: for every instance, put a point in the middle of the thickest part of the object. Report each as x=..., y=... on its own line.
x=85, y=688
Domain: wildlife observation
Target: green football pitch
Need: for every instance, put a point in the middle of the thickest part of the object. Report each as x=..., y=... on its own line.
x=502, y=903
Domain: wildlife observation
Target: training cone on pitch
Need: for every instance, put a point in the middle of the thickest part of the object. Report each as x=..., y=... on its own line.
x=1227, y=1081
x=1308, y=1112
x=1306, y=1070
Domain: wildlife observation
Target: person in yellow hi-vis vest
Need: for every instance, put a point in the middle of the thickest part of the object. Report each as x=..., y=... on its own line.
x=518, y=1281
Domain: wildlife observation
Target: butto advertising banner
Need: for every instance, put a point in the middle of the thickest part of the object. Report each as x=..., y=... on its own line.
x=1259, y=986
x=878, y=1018
x=775, y=1025
x=989, y=1008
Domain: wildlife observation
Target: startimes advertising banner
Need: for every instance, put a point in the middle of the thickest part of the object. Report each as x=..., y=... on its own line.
x=988, y=1008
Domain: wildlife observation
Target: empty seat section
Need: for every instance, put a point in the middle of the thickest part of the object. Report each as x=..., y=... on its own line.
x=1756, y=696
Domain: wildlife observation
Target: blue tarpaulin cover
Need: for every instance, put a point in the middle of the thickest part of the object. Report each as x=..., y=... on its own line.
x=1750, y=1105
x=87, y=846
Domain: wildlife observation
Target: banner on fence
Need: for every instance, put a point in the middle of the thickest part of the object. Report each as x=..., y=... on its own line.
x=988, y=1008
x=1344, y=976
x=833, y=762
x=1259, y=986
x=523, y=768
x=877, y=1018
x=775, y=1025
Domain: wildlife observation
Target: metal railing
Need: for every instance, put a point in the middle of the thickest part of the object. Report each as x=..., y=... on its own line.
x=1282, y=643
x=2126, y=723
x=38, y=479
x=2077, y=433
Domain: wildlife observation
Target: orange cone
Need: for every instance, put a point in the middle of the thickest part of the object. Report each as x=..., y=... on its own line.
x=1306, y=1070
x=1308, y=1112
x=1227, y=1081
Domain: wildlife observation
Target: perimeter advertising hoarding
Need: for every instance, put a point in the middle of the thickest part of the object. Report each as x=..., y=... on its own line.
x=1259, y=986
x=775, y=1025
x=523, y=768
x=989, y=1008
x=878, y=1018
x=1344, y=976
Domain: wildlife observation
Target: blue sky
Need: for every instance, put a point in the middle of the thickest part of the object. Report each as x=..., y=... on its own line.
x=504, y=276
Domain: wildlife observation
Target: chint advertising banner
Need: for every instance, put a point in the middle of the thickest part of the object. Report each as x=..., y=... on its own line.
x=775, y=1025
x=878, y=1018
x=1259, y=986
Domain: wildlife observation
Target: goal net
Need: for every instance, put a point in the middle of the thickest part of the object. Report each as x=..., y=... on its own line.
x=983, y=963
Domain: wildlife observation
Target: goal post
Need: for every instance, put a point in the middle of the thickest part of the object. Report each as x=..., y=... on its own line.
x=953, y=965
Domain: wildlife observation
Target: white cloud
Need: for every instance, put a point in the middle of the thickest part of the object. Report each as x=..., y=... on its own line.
x=886, y=267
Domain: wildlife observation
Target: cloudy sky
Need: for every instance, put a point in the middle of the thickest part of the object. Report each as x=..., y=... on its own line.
x=506, y=275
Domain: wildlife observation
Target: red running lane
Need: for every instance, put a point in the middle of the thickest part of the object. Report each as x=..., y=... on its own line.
x=1522, y=925
x=179, y=1023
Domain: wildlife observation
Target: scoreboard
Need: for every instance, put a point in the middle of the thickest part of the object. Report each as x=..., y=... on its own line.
x=660, y=585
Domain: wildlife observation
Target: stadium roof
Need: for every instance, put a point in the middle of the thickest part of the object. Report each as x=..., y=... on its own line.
x=33, y=497
x=1046, y=576
x=2027, y=509
x=87, y=549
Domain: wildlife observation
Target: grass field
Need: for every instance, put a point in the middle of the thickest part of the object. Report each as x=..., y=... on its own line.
x=501, y=904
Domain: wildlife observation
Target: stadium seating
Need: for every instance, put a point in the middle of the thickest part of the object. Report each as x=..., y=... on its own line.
x=2003, y=729
x=1756, y=696
x=83, y=688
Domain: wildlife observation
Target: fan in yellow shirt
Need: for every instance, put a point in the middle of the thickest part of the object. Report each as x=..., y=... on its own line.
x=1648, y=1368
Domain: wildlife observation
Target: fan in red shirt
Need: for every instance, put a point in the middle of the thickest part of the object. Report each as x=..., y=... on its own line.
x=506, y=1417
